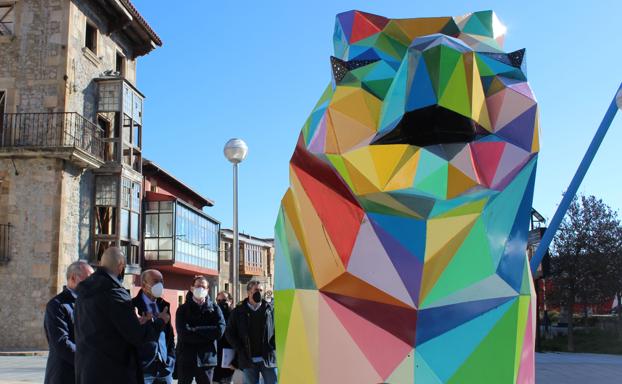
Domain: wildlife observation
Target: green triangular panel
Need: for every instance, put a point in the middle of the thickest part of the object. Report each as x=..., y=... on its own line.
x=523, y=315
x=432, y=59
x=485, y=18
x=474, y=26
x=450, y=59
x=455, y=96
x=525, y=288
x=471, y=263
x=284, y=278
x=284, y=300
x=374, y=207
x=378, y=87
x=493, y=360
x=428, y=164
x=436, y=183
x=339, y=165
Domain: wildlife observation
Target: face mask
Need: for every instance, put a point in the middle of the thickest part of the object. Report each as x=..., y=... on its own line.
x=199, y=293
x=257, y=297
x=157, y=289
x=223, y=303
x=120, y=276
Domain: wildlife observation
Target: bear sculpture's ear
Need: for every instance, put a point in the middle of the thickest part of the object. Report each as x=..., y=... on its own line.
x=341, y=68
x=517, y=59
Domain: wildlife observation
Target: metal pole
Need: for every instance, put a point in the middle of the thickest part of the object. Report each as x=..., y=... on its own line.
x=574, y=184
x=236, y=240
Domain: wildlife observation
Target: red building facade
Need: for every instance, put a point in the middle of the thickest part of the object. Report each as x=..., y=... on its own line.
x=179, y=239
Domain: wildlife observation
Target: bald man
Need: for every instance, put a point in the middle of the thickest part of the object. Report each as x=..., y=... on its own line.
x=156, y=357
x=108, y=331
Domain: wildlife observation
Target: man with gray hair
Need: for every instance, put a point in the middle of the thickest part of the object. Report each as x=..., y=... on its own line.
x=108, y=331
x=58, y=324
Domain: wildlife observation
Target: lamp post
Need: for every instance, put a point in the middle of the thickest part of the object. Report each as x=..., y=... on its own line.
x=235, y=151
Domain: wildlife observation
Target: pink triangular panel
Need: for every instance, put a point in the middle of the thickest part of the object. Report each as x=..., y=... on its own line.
x=526, y=371
x=514, y=104
x=524, y=89
x=337, y=350
x=486, y=156
x=369, y=262
x=368, y=337
x=512, y=160
x=464, y=162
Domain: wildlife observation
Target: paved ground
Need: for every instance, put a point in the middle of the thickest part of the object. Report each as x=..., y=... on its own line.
x=551, y=368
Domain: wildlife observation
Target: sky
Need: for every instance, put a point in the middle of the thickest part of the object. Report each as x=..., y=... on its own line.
x=255, y=69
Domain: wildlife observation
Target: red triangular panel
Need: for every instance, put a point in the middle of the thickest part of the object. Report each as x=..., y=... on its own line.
x=362, y=28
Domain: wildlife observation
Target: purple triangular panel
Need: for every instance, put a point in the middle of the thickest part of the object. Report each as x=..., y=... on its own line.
x=520, y=130
x=319, y=138
x=346, y=20
x=407, y=265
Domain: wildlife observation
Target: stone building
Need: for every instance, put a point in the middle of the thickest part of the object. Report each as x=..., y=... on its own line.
x=256, y=262
x=70, y=147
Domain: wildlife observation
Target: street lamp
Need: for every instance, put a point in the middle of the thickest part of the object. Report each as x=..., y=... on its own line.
x=235, y=151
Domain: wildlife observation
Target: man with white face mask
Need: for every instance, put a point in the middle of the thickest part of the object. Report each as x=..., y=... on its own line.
x=199, y=323
x=157, y=357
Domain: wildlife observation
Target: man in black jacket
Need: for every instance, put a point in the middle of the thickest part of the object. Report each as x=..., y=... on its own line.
x=58, y=324
x=199, y=324
x=108, y=332
x=250, y=332
x=157, y=357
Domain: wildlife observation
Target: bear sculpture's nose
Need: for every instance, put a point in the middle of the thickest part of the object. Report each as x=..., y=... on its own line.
x=432, y=125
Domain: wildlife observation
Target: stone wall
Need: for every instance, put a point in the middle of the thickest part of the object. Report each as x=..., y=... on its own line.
x=32, y=61
x=29, y=279
x=42, y=203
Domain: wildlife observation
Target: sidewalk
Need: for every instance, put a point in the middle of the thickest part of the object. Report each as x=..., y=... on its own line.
x=551, y=368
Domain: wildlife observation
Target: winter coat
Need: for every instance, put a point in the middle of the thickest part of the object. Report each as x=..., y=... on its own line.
x=238, y=329
x=108, y=333
x=58, y=324
x=198, y=329
x=148, y=352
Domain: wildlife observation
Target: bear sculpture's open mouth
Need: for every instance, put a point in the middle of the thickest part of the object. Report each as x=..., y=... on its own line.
x=430, y=126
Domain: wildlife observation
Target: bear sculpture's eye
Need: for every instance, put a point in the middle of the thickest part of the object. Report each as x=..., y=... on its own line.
x=430, y=126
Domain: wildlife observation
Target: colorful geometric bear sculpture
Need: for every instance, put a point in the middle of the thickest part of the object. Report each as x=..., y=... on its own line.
x=401, y=242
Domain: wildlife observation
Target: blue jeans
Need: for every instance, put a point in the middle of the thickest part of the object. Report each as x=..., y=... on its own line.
x=158, y=380
x=251, y=375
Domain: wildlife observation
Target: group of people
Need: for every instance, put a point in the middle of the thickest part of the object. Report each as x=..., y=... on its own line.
x=97, y=333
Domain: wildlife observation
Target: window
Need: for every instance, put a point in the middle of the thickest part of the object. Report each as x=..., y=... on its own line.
x=130, y=209
x=2, y=103
x=196, y=238
x=159, y=230
x=227, y=287
x=7, y=19
x=120, y=64
x=228, y=249
x=90, y=37
x=105, y=205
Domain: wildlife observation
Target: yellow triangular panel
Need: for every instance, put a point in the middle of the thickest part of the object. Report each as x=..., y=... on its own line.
x=386, y=158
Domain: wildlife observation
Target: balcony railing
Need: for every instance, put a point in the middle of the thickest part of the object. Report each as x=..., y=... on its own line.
x=5, y=236
x=51, y=130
